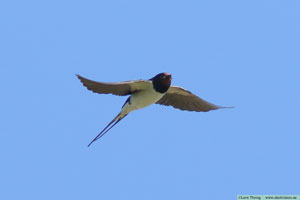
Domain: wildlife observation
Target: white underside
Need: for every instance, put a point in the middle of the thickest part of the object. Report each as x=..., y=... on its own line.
x=140, y=100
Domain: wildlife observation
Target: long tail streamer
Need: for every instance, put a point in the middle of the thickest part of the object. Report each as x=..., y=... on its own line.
x=111, y=124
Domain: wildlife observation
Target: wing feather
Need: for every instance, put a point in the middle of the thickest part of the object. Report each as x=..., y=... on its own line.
x=185, y=100
x=118, y=88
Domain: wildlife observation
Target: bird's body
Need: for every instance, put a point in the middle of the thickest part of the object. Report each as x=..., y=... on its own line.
x=141, y=99
x=146, y=92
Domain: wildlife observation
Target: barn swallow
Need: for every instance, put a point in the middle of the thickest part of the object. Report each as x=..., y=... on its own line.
x=143, y=93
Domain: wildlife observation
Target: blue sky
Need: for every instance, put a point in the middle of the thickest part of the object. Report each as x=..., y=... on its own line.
x=231, y=53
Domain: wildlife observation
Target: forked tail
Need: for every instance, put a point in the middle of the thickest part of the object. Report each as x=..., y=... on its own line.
x=108, y=127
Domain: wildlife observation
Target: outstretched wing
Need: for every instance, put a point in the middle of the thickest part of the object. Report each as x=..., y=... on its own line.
x=118, y=88
x=185, y=100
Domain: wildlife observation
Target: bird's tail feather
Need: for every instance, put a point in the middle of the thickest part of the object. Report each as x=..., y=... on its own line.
x=111, y=124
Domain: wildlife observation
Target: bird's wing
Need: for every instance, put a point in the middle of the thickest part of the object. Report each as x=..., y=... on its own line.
x=185, y=100
x=118, y=88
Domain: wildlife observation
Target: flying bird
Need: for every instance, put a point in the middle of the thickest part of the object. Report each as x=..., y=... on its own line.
x=143, y=93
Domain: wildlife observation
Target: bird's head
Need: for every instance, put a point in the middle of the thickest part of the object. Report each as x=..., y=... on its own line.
x=161, y=82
